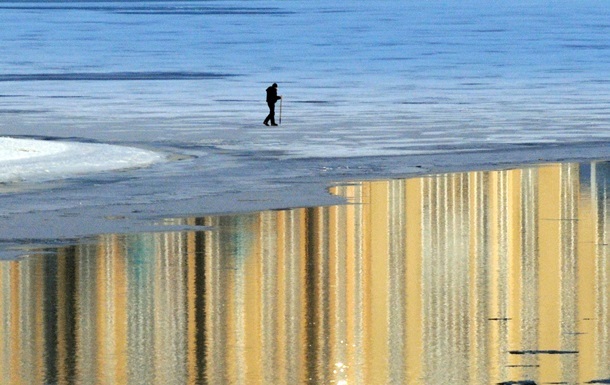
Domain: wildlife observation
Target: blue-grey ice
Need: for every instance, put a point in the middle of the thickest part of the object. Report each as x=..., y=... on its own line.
x=370, y=90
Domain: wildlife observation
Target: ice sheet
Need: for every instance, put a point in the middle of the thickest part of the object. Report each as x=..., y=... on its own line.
x=378, y=89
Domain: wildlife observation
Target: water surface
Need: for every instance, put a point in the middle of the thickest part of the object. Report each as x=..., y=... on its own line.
x=464, y=278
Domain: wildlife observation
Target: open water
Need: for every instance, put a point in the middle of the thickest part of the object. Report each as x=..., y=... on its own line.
x=485, y=277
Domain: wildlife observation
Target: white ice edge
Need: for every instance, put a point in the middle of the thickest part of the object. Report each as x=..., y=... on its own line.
x=40, y=160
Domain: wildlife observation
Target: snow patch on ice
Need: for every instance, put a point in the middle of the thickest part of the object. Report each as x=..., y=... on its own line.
x=39, y=160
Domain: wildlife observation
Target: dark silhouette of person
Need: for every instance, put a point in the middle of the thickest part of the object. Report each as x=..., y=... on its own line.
x=272, y=97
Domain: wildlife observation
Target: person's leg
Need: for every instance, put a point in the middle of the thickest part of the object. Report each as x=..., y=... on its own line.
x=271, y=116
x=272, y=113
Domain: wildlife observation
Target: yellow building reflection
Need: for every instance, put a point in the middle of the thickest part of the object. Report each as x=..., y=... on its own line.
x=467, y=278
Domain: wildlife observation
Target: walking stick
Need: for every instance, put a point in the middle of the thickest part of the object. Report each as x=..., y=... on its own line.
x=281, y=110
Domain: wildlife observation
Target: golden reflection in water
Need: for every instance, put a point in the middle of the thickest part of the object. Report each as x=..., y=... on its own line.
x=467, y=278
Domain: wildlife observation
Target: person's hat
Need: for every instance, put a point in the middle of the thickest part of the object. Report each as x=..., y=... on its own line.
x=274, y=85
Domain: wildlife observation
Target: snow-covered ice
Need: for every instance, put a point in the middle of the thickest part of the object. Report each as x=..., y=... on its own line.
x=38, y=160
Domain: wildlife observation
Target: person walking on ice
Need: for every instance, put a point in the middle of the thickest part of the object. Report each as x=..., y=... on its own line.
x=272, y=97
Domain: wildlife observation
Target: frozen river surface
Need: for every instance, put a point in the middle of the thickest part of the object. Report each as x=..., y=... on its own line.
x=371, y=90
